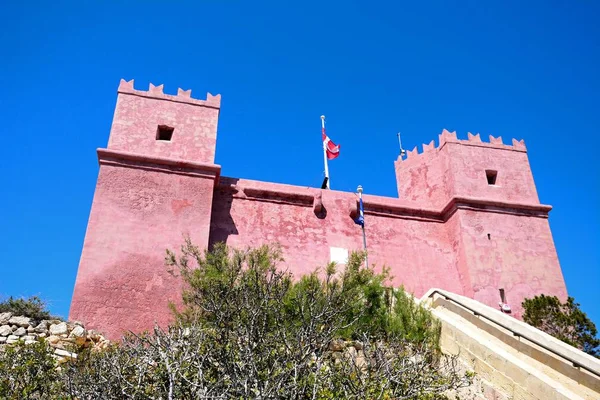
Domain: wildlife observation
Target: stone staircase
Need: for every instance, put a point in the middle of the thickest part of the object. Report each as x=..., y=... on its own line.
x=512, y=360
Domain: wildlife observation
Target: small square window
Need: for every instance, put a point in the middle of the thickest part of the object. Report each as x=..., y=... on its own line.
x=491, y=176
x=164, y=132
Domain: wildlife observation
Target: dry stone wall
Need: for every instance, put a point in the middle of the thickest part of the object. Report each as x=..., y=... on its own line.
x=66, y=338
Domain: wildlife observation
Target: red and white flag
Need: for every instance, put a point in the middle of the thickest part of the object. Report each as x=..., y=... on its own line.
x=332, y=149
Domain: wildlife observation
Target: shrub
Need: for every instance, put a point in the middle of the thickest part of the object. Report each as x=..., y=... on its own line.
x=565, y=321
x=32, y=307
x=28, y=372
x=248, y=330
x=271, y=336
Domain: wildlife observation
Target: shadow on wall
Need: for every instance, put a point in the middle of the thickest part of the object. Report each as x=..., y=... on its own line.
x=318, y=207
x=221, y=222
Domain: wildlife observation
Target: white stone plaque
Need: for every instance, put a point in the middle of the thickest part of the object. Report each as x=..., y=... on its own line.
x=338, y=255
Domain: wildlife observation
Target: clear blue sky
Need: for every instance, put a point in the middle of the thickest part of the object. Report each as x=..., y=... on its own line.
x=525, y=71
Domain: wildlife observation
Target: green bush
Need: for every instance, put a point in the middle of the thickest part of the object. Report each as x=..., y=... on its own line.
x=363, y=303
x=29, y=372
x=32, y=307
x=565, y=321
x=267, y=331
x=248, y=330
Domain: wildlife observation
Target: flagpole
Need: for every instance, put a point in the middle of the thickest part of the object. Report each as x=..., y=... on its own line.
x=402, y=151
x=360, y=192
x=325, y=151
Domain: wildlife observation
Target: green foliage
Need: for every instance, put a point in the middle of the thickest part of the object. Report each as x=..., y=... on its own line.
x=241, y=297
x=413, y=322
x=565, y=321
x=363, y=303
x=32, y=307
x=248, y=330
x=28, y=372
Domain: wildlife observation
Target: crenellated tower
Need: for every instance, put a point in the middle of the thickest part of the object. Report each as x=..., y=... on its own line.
x=156, y=124
x=489, y=204
x=155, y=183
x=466, y=168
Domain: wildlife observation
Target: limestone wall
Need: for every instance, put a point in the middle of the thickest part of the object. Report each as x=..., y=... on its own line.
x=65, y=337
x=512, y=360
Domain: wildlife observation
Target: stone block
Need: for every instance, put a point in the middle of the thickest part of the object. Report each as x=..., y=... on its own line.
x=20, y=331
x=77, y=331
x=42, y=327
x=337, y=345
x=58, y=329
x=351, y=351
x=5, y=317
x=65, y=353
x=5, y=330
x=20, y=321
x=53, y=339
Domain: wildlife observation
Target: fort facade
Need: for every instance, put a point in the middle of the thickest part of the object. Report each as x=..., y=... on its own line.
x=467, y=218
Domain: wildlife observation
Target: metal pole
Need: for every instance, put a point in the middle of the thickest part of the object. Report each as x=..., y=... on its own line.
x=324, y=150
x=402, y=151
x=365, y=245
x=360, y=191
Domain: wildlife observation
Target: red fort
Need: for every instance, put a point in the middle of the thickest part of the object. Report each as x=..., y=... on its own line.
x=467, y=218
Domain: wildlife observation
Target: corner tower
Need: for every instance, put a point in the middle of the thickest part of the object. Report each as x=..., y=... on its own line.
x=156, y=180
x=487, y=197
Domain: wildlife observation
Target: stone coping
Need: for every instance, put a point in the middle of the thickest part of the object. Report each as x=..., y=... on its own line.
x=316, y=197
x=134, y=160
x=374, y=205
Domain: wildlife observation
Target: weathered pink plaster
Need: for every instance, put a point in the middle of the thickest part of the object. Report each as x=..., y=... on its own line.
x=449, y=228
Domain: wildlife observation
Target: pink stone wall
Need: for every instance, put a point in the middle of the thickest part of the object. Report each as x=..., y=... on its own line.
x=416, y=248
x=514, y=182
x=519, y=257
x=446, y=248
x=150, y=193
x=425, y=180
x=122, y=282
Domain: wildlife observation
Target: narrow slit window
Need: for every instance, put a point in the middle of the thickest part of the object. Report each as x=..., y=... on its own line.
x=164, y=132
x=491, y=176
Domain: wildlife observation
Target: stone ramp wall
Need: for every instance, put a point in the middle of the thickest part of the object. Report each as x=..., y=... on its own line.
x=508, y=364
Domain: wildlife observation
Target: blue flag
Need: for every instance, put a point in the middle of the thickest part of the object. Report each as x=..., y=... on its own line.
x=360, y=220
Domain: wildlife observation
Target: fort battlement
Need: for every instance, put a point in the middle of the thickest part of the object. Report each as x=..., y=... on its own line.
x=459, y=168
x=473, y=140
x=467, y=217
x=183, y=96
